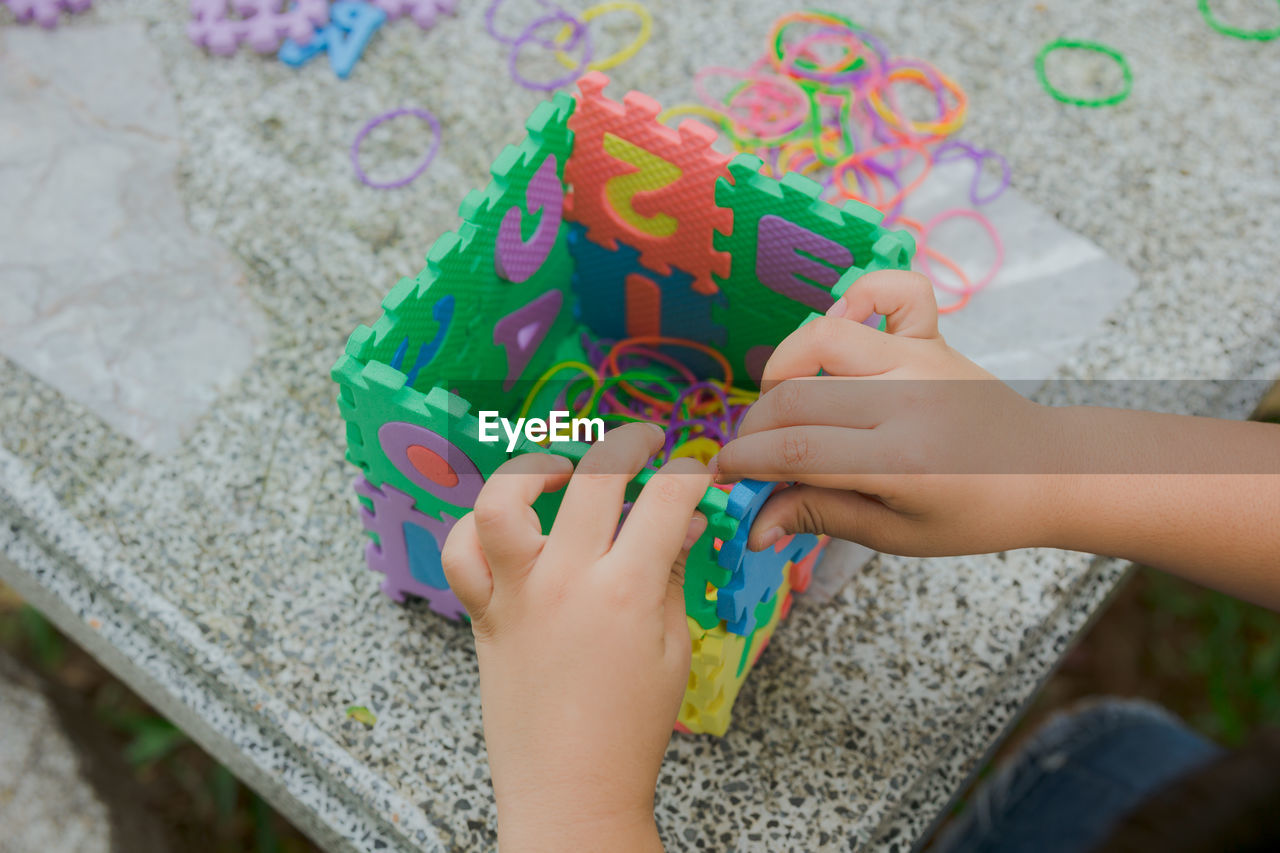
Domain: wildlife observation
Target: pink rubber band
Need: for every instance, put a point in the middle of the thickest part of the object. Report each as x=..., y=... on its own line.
x=967, y=213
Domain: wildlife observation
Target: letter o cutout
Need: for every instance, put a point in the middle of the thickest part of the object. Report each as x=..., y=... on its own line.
x=431, y=462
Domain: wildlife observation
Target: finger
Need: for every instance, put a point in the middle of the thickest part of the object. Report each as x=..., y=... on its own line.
x=832, y=457
x=834, y=346
x=508, y=528
x=905, y=298
x=465, y=567
x=676, y=622
x=818, y=400
x=588, y=517
x=836, y=512
x=654, y=533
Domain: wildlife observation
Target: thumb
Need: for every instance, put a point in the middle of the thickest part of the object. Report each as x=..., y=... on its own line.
x=836, y=512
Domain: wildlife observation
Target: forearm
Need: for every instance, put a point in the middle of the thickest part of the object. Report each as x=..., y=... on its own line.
x=1197, y=497
x=567, y=829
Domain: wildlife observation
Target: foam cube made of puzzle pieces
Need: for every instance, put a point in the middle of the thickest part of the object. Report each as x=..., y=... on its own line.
x=680, y=240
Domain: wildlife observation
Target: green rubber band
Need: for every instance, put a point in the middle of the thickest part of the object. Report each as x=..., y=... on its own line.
x=630, y=376
x=1234, y=32
x=1068, y=44
x=779, y=51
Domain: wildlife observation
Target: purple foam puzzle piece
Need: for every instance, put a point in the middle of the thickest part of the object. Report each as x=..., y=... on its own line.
x=423, y=12
x=392, y=509
x=45, y=12
x=223, y=25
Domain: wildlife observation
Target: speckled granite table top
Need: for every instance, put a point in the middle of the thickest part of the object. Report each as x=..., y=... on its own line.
x=217, y=566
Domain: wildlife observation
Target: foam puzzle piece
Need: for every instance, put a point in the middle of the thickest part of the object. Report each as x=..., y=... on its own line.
x=640, y=182
x=46, y=13
x=789, y=251
x=344, y=37
x=423, y=12
x=891, y=251
x=755, y=575
x=515, y=258
x=802, y=571
x=402, y=536
x=221, y=26
x=425, y=445
x=442, y=311
x=461, y=265
x=522, y=331
x=702, y=571
x=720, y=664
x=600, y=279
x=496, y=304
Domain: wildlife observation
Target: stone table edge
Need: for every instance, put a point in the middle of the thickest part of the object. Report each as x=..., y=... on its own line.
x=288, y=751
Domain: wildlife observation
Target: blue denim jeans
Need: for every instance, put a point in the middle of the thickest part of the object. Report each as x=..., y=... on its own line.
x=1064, y=790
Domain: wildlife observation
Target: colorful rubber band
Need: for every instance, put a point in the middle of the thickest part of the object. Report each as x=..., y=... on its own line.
x=1095, y=47
x=620, y=56
x=431, y=121
x=1252, y=35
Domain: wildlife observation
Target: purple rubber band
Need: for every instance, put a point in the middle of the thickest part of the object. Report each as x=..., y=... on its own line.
x=431, y=121
x=579, y=34
x=978, y=156
x=491, y=14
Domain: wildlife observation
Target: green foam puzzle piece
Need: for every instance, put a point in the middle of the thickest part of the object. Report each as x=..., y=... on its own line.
x=374, y=394
x=461, y=264
x=757, y=315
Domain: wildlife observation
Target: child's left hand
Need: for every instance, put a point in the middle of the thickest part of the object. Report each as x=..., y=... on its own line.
x=582, y=640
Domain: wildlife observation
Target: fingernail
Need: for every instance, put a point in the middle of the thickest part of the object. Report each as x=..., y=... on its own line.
x=662, y=433
x=771, y=537
x=838, y=308
x=697, y=526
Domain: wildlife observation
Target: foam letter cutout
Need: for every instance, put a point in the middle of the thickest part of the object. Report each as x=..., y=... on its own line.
x=515, y=259
x=785, y=252
x=521, y=331
x=650, y=172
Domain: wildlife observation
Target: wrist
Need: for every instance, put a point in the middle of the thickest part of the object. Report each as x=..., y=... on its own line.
x=572, y=825
x=1054, y=477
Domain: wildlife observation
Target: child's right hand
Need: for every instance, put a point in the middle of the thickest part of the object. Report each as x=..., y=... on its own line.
x=925, y=466
x=921, y=466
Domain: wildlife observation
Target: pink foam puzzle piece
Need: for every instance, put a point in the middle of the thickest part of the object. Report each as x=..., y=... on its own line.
x=423, y=12
x=46, y=13
x=221, y=26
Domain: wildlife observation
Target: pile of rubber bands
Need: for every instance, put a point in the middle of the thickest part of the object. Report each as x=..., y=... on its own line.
x=564, y=35
x=823, y=101
x=633, y=380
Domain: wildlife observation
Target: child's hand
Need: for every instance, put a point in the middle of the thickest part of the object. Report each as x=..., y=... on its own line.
x=582, y=640
x=890, y=463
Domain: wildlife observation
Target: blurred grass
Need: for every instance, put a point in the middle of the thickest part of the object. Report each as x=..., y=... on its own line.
x=1219, y=657
x=202, y=806
x=1210, y=658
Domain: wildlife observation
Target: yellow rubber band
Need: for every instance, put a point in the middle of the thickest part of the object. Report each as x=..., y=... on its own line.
x=646, y=29
x=552, y=371
x=692, y=110
x=955, y=115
